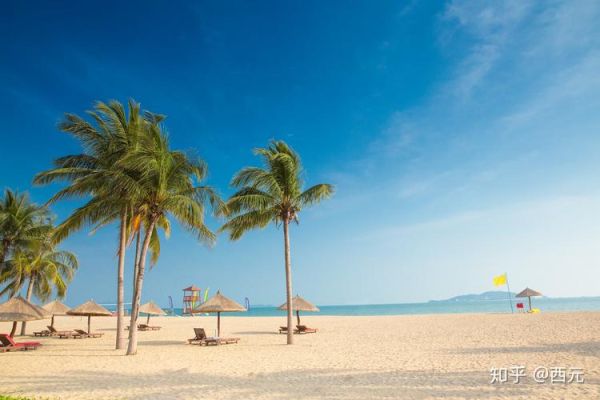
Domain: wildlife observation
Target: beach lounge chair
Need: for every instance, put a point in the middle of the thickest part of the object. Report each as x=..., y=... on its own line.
x=199, y=338
x=144, y=327
x=283, y=329
x=229, y=340
x=70, y=335
x=305, y=329
x=90, y=334
x=202, y=339
x=51, y=331
x=8, y=344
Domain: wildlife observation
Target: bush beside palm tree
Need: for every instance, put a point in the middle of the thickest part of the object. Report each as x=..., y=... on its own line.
x=272, y=194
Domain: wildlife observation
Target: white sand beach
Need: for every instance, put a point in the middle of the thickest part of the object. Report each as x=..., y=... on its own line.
x=386, y=357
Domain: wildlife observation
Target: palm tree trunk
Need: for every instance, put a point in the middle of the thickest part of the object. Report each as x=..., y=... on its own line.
x=288, y=283
x=137, y=255
x=29, y=293
x=120, y=342
x=136, y=263
x=137, y=294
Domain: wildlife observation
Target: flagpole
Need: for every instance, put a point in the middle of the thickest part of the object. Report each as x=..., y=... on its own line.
x=508, y=292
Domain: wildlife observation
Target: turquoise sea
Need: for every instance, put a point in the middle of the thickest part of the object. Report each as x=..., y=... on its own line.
x=437, y=307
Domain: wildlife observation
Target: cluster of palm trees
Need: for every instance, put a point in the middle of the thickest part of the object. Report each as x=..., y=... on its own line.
x=28, y=252
x=128, y=173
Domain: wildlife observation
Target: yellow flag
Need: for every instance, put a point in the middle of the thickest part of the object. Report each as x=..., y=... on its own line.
x=500, y=280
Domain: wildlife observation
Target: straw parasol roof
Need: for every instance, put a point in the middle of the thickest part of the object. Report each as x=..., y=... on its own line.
x=19, y=309
x=528, y=293
x=219, y=303
x=151, y=308
x=44, y=312
x=89, y=308
x=300, y=304
x=55, y=307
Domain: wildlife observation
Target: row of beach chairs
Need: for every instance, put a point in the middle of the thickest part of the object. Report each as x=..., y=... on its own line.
x=74, y=334
x=144, y=327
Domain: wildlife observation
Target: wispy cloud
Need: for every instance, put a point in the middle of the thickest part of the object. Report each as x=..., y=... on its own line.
x=483, y=129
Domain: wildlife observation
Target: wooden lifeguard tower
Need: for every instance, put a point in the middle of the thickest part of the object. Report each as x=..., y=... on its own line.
x=191, y=299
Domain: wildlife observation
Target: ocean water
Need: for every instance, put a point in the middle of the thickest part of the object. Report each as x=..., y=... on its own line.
x=438, y=307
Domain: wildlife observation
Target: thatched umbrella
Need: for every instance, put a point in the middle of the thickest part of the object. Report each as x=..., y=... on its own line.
x=528, y=293
x=219, y=303
x=89, y=309
x=55, y=307
x=18, y=309
x=299, y=304
x=151, y=308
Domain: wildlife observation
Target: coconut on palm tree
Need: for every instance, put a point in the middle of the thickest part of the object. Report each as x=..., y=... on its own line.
x=113, y=134
x=272, y=194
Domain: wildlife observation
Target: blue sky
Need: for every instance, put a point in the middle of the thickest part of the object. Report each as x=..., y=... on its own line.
x=462, y=137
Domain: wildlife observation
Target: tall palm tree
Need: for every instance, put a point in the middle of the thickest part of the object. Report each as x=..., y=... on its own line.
x=113, y=134
x=21, y=223
x=167, y=187
x=272, y=194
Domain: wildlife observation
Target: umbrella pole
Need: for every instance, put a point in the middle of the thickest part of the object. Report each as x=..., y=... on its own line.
x=218, y=324
x=530, y=303
x=89, y=324
x=52, y=322
x=14, y=329
x=298, y=316
x=148, y=320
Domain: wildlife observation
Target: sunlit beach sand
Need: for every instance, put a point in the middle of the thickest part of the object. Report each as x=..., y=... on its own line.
x=407, y=357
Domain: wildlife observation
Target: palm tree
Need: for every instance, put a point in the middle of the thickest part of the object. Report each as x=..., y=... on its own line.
x=167, y=187
x=96, y=173
x=272, y=194
x=21, y=223
x=46, y=268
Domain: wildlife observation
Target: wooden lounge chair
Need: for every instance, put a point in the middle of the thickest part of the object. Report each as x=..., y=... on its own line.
x=8, y=344
x=305, y=329
x=283, y=329
x=202, y=339
x=90, y=334
x=229, y=340
x=70, y=335
x=144, y=327
x=51, y=331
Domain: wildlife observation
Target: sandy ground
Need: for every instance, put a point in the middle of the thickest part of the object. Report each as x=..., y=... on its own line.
x=391, y=357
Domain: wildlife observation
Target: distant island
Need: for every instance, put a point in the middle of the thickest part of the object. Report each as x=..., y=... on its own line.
x=489, y=296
